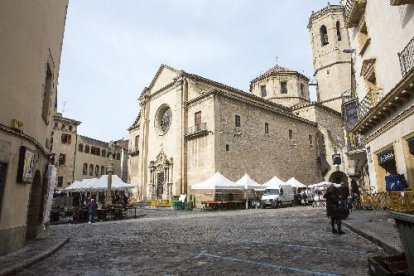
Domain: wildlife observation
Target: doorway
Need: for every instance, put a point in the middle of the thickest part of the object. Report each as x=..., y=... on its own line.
x=35, y=210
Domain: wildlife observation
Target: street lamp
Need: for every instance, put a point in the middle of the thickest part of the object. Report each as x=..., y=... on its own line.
x=110, y=169
x=351, y=51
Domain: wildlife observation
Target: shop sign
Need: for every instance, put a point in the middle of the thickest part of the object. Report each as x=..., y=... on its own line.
x=386, y=156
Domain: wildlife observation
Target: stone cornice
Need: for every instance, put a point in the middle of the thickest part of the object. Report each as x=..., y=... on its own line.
x=322, y=12
x=401, y=117
x=68, y=120
x=316, y=104
x=23, y=136
x=329, y=65
x=241, y=98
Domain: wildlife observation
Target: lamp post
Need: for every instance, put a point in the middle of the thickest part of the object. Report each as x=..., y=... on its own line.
x=110, y=169
x=351, y=51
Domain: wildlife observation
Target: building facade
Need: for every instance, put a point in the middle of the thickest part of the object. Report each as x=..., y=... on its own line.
x=189, y=127
x=31, y=38
x=382, y=121
x=79, y=157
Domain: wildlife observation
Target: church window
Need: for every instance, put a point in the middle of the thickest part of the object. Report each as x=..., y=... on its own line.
x=86, y=149
x=118, y=156
x=324, y=35
x=103, y=153
x=102, y=170
x=166, y=120
x=85, y=169
x=283, y=87
x=290, y=134
x=227, y=147
x=302, y=90
x=338, y=31
x=80, y=147
x=237, y=121
x=136, y=140
x=263, y=91
x=310, y=140
x=96, y=170
x=266, y=128
x=70, y=128
x=98, y=151
x=90, y=169
x=63, y=126
x=197, y=120
x=56, y=125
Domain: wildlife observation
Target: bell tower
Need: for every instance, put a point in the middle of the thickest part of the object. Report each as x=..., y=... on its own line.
x=331, y=55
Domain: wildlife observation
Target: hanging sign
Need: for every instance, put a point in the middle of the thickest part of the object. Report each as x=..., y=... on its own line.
x=386, y=156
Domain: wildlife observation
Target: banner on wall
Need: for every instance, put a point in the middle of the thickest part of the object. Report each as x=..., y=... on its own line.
x=51, y=184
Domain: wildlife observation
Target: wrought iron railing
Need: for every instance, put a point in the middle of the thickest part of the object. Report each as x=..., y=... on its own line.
x=353, y=11
x=133, y=151
x=369, y=101
x=407, y=58
x=199, y=128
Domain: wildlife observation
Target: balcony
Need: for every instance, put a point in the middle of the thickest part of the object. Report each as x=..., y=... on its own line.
x=354, y=9
x=407, y=58
x=196, y=131
x=400, y=2
x=370, y=100
x=133, y=151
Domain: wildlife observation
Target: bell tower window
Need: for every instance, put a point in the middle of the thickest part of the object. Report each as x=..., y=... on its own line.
x=324, y=35
x=338, y=31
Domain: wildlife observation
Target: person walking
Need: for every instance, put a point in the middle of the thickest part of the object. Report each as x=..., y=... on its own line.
x=92, y=206
x=332, y=208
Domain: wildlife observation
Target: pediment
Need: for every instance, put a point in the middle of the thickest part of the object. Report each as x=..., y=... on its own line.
x=164, y=76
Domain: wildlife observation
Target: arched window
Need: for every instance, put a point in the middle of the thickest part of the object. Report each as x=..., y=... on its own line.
x=102, y=170
x=118, y=156
x=338, y=31
x=103, y=153
x=85, y=169
x=98, y=151
x=90, y=169
x=80, y=147
x=96, y=170
x=324, y=35
x=86, y=149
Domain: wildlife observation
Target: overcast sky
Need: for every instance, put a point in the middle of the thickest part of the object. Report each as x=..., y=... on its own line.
x=113, y=48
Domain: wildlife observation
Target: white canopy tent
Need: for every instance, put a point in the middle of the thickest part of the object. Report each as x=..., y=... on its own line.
x=295, y=183
x=217, y=182
x=248, y=183
x=100, y=184
x=273, y=183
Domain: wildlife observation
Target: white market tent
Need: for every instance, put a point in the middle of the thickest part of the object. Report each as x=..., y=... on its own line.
x=273, y=183
x=100, y=184
x=295, y=183
x=217, y=182
x=249, y=183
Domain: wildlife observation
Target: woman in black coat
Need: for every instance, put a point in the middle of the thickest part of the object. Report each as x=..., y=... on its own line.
x=333, y=209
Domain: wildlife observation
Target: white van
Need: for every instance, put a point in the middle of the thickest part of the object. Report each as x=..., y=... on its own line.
x=278, y=197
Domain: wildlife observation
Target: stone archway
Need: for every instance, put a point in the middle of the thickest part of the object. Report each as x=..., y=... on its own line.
x=34, y=210
x=338, y=177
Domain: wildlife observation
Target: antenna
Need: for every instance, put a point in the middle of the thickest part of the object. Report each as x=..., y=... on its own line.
x=276, y=60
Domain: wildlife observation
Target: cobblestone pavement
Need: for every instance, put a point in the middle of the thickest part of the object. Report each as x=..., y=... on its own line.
x=287, y=241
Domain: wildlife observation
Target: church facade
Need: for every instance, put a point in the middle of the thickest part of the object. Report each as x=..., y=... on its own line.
x=189, y=127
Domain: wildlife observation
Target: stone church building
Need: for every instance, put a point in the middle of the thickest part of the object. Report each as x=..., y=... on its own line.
x=189, y=127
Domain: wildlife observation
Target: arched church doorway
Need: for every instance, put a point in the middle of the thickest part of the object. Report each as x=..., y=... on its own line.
x=35, y=210
x=338, y=177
